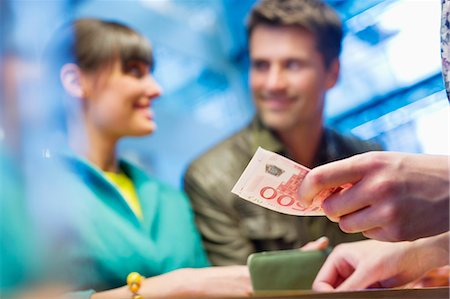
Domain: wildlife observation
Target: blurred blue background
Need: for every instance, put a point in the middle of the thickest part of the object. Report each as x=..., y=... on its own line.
x=390, y=89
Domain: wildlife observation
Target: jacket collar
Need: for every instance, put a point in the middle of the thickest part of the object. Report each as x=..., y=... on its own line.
x=264, y=137
x=94, y=176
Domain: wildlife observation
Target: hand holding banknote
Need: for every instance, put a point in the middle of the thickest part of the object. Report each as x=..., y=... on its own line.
x=393, y=197
x=271, y=181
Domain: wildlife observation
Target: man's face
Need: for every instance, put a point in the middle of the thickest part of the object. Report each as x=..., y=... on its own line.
x=288, y=76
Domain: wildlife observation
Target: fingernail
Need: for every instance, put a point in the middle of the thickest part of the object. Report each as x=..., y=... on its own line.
x=322, y=239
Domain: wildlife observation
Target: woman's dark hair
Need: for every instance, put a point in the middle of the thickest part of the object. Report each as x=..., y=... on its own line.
x=94, y=43
x=98, y=42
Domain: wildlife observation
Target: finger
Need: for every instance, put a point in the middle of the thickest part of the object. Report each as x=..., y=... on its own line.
x=319, y=244
x=376, y=285
x=364, y=220
x=395, y=281
x=333, y=218
x=378, y=233
x=327, y=277
x=334, y=174
x=347, y=201
x=360, y=279
x=333, y=272
x=322, y=287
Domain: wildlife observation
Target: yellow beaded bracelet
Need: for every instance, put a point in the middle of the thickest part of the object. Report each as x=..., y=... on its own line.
x=134, y=281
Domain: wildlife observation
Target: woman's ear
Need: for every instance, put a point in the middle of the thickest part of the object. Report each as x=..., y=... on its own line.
x=71, y=80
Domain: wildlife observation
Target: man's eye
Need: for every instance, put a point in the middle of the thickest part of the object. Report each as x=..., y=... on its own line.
x=259, y=65
x=294, y=64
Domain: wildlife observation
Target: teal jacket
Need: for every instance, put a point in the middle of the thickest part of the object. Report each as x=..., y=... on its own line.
x=103, y=240
x=18, y=264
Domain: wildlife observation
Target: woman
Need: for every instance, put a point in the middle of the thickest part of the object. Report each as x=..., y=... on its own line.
x=116, y=218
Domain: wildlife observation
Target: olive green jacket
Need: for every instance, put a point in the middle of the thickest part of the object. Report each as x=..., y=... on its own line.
x=233, y=228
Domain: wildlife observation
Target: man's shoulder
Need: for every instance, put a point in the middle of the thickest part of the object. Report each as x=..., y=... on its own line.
x=234, y=149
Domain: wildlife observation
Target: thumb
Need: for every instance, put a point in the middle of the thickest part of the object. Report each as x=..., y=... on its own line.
x=319, y=244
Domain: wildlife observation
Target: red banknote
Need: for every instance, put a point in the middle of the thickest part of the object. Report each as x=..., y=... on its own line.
x=271, y=181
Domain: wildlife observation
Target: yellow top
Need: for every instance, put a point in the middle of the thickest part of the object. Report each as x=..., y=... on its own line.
x=126, y=188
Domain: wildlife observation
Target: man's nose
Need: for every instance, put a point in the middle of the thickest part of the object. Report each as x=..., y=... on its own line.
x=276, y=79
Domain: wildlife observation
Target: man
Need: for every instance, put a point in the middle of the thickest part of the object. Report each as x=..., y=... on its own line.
x=294, y=51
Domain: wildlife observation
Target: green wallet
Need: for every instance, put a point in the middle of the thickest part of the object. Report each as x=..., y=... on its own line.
x=285, y=269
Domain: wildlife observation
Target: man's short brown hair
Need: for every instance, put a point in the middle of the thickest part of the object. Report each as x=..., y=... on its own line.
x=312, y=15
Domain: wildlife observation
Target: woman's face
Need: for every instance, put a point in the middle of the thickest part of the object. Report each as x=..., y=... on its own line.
x=118, y=100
